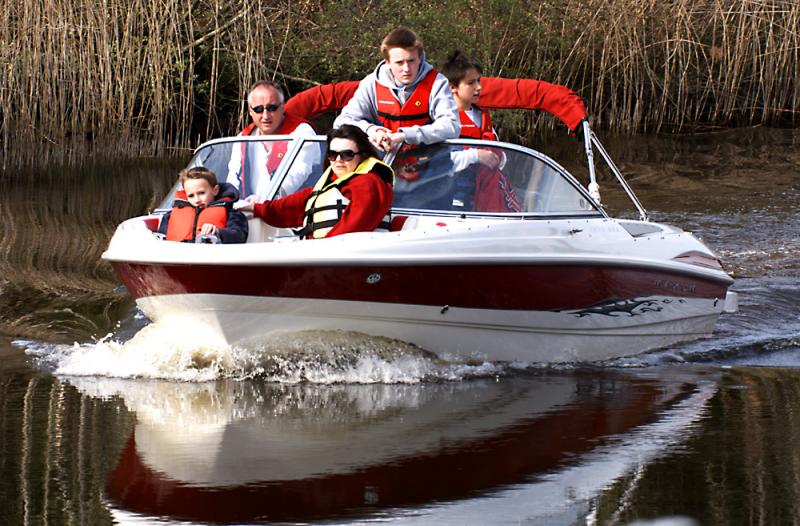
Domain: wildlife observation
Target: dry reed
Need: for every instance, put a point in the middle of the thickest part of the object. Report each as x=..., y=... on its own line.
x=145, y=77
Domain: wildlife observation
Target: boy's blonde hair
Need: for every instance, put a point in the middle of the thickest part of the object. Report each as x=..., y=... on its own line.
x=401, y=37
x=198, y=172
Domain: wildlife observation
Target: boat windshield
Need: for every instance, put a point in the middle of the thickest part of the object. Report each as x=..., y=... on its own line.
x=477, y=177
x=460, y=176
x=267, y=167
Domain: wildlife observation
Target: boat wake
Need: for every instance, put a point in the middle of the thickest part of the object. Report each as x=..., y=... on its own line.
x=766, y=331
x=183, y=351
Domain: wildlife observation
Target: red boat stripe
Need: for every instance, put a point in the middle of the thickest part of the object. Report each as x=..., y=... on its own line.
x=517, y=287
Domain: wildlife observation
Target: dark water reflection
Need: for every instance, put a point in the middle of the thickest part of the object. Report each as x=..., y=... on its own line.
x=715, y=439
x=598, y=446
x=53, y=285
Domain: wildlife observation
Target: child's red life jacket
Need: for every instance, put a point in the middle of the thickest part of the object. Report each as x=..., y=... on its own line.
x=470, y=130
x=185, y=220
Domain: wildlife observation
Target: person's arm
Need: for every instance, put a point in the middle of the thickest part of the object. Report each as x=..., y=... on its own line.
x=315, y=101
x=463, y=159
x=236, y=228
x=360, y=110
x=286, y=212
x=560, y=101
x=370, y=199
x=444, y=114
x=235, y=165
x=307, y=158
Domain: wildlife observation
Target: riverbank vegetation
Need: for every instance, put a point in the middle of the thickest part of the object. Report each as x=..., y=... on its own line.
x=151, y=77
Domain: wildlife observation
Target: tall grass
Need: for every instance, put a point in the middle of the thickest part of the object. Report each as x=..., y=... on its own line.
x=147, y=77
x=649, y=64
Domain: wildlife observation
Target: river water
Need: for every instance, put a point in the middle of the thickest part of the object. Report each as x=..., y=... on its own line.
x=107, y=419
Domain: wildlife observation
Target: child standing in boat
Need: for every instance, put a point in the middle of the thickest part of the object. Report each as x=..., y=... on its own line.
x=204, y=208
x=491, y=190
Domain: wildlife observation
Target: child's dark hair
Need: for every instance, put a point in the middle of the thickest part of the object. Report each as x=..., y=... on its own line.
x=198, y=172
x=456, y=66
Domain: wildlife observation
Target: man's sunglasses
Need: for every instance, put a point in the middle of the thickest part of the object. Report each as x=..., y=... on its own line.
x=345, y=155
x=272, y=108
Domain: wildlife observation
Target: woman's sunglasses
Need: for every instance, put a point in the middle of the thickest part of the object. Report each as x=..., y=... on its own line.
x=271, y=108
x=345, y=155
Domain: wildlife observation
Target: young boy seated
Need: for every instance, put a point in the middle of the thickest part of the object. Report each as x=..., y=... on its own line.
x=204, y=207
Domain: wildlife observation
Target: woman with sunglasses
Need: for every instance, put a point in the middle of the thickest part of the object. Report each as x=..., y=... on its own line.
x=353, y=195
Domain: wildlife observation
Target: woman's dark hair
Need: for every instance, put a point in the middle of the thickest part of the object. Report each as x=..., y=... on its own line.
x=456, y=66
x=353, y=133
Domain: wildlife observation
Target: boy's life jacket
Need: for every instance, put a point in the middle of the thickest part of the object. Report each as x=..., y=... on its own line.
x=413, y=113
x=276, y=153
x=470, y=130
x=185, y=220
x=326, y=203
x=490, y=191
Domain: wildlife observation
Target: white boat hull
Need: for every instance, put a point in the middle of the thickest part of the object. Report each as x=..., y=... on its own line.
x=452, y=332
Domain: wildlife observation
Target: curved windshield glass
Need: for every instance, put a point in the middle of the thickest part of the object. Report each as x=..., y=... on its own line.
x=495, y=179
x=267, y=168
x=461, y=176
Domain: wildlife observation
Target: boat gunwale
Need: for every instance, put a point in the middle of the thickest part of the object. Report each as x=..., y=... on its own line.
x=581, y=260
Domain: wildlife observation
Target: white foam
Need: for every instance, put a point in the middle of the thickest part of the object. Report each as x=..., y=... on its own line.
x=183, y=351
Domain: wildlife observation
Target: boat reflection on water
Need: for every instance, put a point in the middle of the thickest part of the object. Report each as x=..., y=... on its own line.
x=254, y=451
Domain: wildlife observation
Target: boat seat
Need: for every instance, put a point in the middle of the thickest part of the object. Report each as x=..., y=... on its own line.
x=397, y=223
x=152, y=223
x=258, y=231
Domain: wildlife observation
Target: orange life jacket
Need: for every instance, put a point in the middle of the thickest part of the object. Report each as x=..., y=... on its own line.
x=413, y=113
x=185, y=220
x=470, y=130
x=289, y=124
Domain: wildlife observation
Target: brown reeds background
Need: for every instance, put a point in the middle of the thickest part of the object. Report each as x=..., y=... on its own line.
x=150, y=77
x=53, y=284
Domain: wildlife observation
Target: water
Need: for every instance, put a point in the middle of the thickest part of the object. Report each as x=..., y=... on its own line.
x=107, y=419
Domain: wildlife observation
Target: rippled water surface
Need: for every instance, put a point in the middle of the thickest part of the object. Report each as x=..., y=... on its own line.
x=105, y=418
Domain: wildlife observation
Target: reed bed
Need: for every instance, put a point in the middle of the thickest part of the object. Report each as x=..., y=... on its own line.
x=152, y=77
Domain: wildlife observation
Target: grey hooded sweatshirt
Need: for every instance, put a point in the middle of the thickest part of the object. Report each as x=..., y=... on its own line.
x=362, y=110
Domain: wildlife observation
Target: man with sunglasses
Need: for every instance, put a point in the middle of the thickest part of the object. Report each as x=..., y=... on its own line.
x=252, y=164
x=404, y=99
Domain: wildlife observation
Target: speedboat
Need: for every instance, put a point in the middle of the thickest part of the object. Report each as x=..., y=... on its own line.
x=511, y=261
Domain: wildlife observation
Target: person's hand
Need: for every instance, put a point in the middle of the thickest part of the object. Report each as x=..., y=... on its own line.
x=246, y=204
x=378, y=135
x=392, y=140
x=488, y=158
x=209, y=230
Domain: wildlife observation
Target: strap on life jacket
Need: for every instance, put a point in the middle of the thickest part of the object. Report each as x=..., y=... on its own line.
x=276, y=153
x=415, y=112
x=326, y=203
